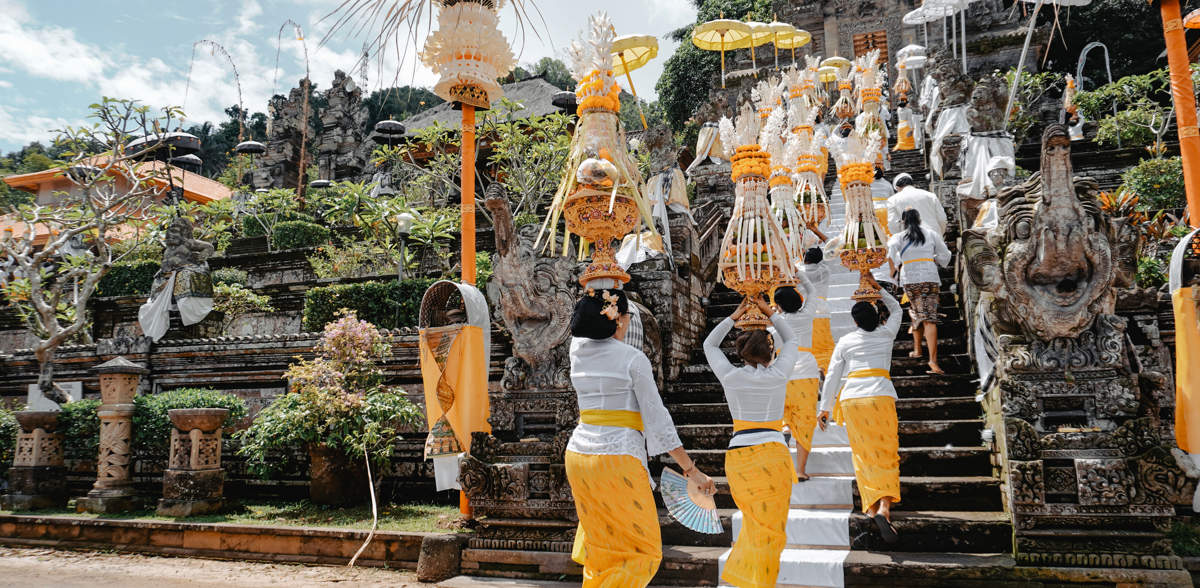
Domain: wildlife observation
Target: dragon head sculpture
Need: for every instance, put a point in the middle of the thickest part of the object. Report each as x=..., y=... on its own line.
x=1049, y=262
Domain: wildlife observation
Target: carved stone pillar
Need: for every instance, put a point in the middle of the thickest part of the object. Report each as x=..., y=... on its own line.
x=194, y=481
x=38, y=479
x=113, y=491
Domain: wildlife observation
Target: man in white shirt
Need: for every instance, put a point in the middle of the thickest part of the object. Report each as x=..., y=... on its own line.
x=907, y=196
x=867, y=405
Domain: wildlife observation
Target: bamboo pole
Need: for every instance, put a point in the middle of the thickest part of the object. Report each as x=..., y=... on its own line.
x=468, y=194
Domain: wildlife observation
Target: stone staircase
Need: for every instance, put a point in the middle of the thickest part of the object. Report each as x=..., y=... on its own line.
x=950, y=503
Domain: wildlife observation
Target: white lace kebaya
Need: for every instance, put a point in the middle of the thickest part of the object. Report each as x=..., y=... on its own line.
x=610, y=375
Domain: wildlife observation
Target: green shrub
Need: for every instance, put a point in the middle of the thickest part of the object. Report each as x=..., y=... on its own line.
x=1158, y=183
x=81, y=428
x=128, y=279
x=299, y=235
x=8, y=439
x=252, y=226
x=1130, y=126
x=229, y=276
x=387, y=305
x=152, y=426
x=525, y=218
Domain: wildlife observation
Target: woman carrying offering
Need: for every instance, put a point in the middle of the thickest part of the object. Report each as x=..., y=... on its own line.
x=800, y=408
x=758, y=463
x=621, y=416
x=867, y=407
x=918, y=251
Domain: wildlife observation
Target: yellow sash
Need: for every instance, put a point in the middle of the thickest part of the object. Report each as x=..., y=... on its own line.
x=916, y=260
x=867, y=373
x=747, y=425
x=612, y=418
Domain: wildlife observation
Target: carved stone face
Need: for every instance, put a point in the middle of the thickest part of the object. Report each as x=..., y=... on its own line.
x=1057, y=261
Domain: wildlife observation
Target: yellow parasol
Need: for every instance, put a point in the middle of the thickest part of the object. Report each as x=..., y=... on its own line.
x=783, y=32
x=800, y=39
x=721, y=35
x=631, y=52
x=760, y=34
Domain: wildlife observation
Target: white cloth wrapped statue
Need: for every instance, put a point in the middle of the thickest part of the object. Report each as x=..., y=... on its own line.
x=184, y=282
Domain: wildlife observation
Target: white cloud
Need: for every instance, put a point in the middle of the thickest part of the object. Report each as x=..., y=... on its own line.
x=20, y=129
x=5, y=84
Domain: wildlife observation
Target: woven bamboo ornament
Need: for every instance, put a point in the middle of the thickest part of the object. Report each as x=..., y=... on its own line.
x=902, y=86
x=864, y=243
x=844, y=108
x=783, y=147
x=599, y=196
x=870, y=91
x=811, y=158
x=754, y=256
x=469, y=52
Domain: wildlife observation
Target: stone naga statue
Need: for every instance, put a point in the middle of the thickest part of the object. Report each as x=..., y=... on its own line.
x=1049, y=263
x=534, y=296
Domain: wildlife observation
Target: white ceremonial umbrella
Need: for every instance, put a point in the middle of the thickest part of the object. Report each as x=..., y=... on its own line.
x=1012, y=93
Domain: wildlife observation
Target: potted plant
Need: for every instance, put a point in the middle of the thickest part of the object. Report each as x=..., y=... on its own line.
x=338, y=410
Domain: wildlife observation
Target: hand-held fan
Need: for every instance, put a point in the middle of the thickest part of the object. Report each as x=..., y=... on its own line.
x=688, y=504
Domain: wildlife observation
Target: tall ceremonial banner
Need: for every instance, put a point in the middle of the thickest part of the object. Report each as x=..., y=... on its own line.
x=454, y=368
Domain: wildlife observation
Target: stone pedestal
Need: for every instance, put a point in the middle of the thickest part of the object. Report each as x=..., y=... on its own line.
x=113, y=491
x=38, y=479
x=194, y=481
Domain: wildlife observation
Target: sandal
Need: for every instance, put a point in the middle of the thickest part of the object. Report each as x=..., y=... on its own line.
x=886, y=529
x=802, y=477
x=915, y=354
x=935, y=369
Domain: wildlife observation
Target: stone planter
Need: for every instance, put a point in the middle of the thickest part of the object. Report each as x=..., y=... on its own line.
x=38, y=478
x=194, y=482
x=113, y=491
x=333, y=478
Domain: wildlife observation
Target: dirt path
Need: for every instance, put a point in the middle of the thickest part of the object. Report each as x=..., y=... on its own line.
x=39, y=568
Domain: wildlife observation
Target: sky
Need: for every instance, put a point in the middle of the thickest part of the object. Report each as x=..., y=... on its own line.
x=59, y=56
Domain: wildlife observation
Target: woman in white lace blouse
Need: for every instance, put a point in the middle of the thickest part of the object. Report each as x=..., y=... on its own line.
x=621, y=417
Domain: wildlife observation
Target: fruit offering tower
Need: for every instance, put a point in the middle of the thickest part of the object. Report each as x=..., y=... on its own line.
x=864, y=244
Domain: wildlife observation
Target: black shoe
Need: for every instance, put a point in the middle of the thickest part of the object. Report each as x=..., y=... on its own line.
x=886, y=529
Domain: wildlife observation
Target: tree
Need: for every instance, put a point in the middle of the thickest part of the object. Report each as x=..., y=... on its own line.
x=398, y=103
x=554, y=71
x=1134, y=45
x=50, y=285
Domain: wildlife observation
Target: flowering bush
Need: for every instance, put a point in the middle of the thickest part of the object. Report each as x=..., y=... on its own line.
x=1158, y=183
x=338, y=400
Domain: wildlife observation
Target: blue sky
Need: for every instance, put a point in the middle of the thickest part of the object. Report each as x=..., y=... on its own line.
x=59, y=56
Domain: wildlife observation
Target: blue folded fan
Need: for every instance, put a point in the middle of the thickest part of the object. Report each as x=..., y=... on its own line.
x=687, y=504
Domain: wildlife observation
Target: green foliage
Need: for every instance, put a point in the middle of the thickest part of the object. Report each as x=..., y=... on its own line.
x=525, y=218
x=337, y=400
x=256, y=226
x=128, y=279
x=483, y=268
x=1132, y=30
x=80, y=425
x=1185, y=539
x=134, y=251
x=1151, y=272
x=354, y=259
x=389, y=305
x=1130, y=126
x=299, y=235
x=218, y=141
x=230, y=276
x=152, y=426
x=8, y=439
x=1033, y=87
x=236, y=302
x=632, y=119
x=1158, y=183
x=398, y=103
x=528, y=153
x=1149, y=88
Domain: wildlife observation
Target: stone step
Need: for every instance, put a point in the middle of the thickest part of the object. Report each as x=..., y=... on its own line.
x=960, y=433
x=939, y=531
x=952, y=355
x=915, y=386
x=681, y=565
x=674, y=533
x=908, y=409
x=914, y=461
x=811, y=527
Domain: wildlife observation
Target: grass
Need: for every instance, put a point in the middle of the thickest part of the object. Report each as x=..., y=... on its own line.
x=1185, y=539
x=392, y=517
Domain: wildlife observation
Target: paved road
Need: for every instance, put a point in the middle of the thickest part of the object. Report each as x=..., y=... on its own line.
x=42, y=568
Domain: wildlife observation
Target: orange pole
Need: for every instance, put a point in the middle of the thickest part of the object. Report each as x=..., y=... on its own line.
x=1185, y=103
x=468, y=194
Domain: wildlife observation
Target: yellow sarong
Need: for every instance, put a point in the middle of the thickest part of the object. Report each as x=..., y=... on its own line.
x=904, y=137
x=822, y=347
x=881, y=215
x=619, y=540
x=800, y=410
x=872, y=426
x=1187, y=374
x=760, y=479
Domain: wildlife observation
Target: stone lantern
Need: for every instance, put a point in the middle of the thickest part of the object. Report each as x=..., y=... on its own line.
x=113, y=491
x=38, y=478
x=194, y=481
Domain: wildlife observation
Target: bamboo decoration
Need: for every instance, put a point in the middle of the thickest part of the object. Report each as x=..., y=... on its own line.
x=811, y=159
x=844, y=108
x=864, y=243
x=781, y=144
x=754, y=256
x=599, y=196
x=870, y=91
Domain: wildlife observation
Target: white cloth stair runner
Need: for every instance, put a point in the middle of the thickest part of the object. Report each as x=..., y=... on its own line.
x=818, y=526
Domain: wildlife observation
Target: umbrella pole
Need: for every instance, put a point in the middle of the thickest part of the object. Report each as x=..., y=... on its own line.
x=1012, y=93
x=776, y=44
x=954, y=35
x=625, y=66
x=1185, y=104
x=943, y=33
x=925, y=27
x=722, y=62
x=753, y=59
x=793, y=57
x=964, y=39
x=468, y=194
